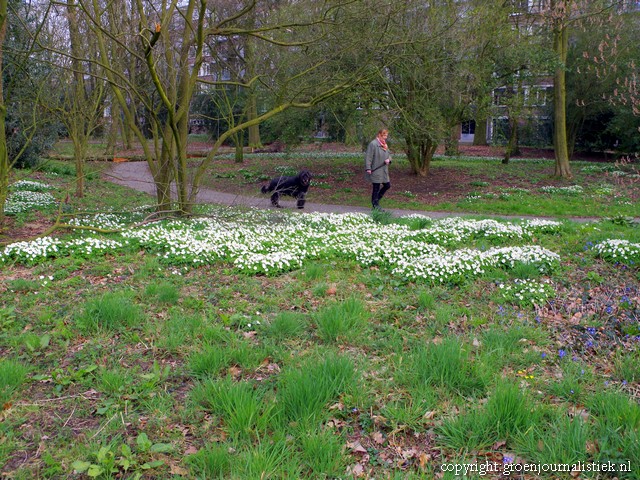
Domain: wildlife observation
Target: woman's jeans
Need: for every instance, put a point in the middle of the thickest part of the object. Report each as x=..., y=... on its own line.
x=377, y=193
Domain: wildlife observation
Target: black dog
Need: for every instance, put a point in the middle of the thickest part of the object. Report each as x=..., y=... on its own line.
x=293, y=186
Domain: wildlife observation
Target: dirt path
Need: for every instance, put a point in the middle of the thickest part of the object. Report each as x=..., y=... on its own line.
x=136, y=175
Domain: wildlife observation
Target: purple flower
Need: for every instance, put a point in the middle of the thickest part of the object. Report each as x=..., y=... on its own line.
x=561, y=353
x=589, y=344
x=507, y=459
x=609, y=309
x=543, y=355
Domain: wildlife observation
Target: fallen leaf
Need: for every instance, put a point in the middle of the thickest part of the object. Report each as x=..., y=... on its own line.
x=178, y=470
x=592, y=448
x=499, y=444
x=356, y=470
x=378, y=438
x=356, y=447
x=424, y=460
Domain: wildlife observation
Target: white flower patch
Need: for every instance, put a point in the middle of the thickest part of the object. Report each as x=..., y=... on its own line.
x=508, y=257
x=30, y=185
x=271, y=243
x=93, y=246
x=446, y=267
x=25, y=200
x=30, y=252
x=622, y=251
x=572, y=190
x=107, y=221
x=269, y=263
x=527, y=292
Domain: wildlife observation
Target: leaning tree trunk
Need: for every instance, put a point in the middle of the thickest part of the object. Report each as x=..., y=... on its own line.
x=561, y=45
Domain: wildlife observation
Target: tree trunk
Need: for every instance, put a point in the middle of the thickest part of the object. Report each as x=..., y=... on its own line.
x=480, y=135
x=561, y=45
x=112, y=134
x=78, y=121
x=4, y=154
x=512, y=145
x=238, y=141
x=452, y=145
x=252, y=112
x=420, y=153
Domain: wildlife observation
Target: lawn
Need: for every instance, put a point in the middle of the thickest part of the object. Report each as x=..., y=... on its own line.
x=249, y=344
x=462, y=184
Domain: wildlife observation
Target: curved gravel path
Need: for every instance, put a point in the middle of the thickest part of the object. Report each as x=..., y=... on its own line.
x=136, y=175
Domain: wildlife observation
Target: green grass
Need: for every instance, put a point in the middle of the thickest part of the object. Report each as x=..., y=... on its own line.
x=12, y=376
x=110, y=312
x=308, y=373
x=488, y=189
x=342, y=321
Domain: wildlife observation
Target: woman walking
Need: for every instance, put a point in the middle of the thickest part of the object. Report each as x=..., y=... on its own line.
x=376, y=165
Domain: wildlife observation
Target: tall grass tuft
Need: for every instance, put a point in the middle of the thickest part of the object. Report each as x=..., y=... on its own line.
x=502, y=346
x=563, y=441
x=179, y=331
x=409, y=410
x=321, y=454
x=446, y=365
x=345, y=320
x=209, y=361
x=315, y=271
x=426, y=300
x=507, y=413
x=12, y=376
x=303, y=393
x=286, y=325
x=115, y=381
x=617, y=426
x=244, y=411
x=213, y=461
x=110, y=312
x=164, y=292
x=266, y=459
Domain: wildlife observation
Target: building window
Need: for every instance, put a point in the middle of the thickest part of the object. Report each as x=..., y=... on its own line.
x=498, y=96
x=469, y=127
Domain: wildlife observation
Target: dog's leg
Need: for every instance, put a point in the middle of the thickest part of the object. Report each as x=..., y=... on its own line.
x=301, y=200
x=275, y=200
